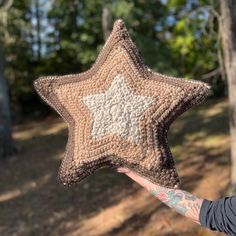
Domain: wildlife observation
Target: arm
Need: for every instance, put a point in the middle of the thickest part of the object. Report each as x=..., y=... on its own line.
x=217, y=215
x=181, y=201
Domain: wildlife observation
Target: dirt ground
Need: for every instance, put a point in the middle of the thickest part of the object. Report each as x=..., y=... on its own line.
x=32, y=202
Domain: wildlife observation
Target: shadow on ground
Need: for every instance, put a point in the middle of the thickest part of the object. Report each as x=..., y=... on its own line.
x=32, y=202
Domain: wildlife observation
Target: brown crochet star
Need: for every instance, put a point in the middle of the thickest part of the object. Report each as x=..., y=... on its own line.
x=118, y=113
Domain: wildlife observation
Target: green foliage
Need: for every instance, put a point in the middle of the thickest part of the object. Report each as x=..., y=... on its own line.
x=176, y=37
x=192, y=44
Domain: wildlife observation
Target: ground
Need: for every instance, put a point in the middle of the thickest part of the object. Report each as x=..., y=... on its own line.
x=32, y=202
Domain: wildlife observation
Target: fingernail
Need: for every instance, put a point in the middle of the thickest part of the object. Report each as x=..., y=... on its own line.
x=118, y=170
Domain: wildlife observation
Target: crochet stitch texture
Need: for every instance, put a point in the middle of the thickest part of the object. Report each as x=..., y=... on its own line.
x=119, y=112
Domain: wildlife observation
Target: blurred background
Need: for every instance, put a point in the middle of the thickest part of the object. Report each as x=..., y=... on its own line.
x=194, y=39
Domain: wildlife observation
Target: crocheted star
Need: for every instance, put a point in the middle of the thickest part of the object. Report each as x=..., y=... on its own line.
x=119, y=112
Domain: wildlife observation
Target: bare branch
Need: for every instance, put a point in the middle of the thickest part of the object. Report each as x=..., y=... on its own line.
x=211, y=74
x=3, y=17
x=7, y=5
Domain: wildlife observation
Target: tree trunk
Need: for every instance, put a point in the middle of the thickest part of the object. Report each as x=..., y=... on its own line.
x=106, y=22
x=228, y=33
x=38, y=29
x=6, y=142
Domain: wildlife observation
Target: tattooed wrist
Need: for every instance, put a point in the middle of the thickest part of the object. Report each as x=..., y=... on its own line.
x=181, y=201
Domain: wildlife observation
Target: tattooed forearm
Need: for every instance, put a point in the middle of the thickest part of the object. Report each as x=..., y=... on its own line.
x=182, y=201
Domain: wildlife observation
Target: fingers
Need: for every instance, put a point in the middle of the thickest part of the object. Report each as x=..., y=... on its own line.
x=140, y=180
x=137, y=178
x=123, y=170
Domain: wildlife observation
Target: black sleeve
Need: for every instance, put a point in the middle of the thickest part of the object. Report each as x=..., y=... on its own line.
x=219, y=215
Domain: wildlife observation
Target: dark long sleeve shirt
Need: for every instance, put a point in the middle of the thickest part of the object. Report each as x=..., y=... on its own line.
x=219, y=215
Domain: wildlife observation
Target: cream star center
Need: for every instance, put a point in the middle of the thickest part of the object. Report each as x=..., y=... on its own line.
x=117, y=110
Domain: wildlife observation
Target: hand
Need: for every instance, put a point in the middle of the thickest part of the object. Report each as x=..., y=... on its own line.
x=137, y=178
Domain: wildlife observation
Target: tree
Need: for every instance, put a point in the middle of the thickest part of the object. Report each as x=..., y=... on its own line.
x=6, y=143
x=106, y=22
x=38, y=29
x=228, y=34
x=44, y=37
